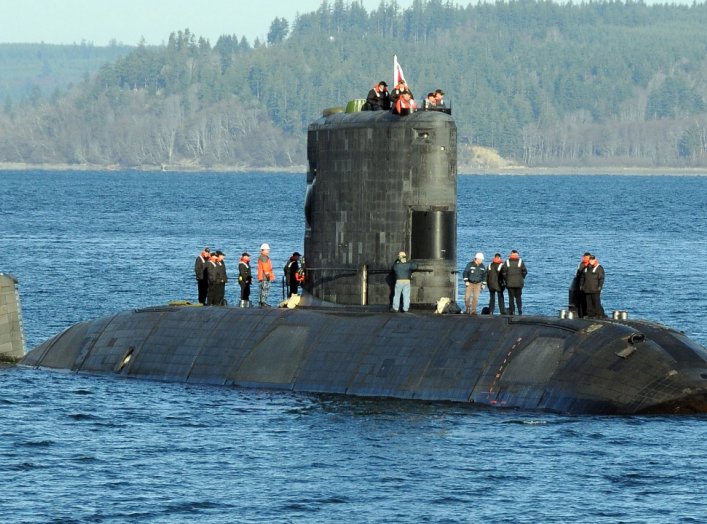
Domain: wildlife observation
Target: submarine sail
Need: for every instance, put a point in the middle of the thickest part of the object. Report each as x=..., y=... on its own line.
x=378, y=184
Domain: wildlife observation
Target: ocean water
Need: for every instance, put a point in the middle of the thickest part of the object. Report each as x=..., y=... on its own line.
x=100, y=449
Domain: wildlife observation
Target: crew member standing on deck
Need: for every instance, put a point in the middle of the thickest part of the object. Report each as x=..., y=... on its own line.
x=591, y=284
x=245, y=279
x=202, y=282
x=577, y=298
x=403, y=273
x=474, y=280
x=292, y=274
x=494, y=279
x=265, y=274
x=513, y=272
x=216, y=271
x=211, y=274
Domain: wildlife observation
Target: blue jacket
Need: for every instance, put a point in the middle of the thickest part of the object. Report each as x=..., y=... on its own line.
x=403, y=270
x=475, y=274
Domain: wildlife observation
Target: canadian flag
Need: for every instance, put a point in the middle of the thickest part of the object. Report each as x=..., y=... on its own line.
x=397, y=72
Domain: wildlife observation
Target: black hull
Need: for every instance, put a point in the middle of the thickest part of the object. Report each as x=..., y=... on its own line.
x=534, y=363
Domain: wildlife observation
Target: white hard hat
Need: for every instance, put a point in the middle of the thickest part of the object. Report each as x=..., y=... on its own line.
x=264, y=246
x=479, y=256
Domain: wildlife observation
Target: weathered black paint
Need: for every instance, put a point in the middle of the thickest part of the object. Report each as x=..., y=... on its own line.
x=568, y=366
x=379, y=184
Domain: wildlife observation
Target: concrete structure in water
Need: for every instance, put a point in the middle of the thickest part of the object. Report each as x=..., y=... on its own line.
x=12, y=344
x=378, y=184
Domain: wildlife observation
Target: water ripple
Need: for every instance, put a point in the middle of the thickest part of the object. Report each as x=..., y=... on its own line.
x=78, y=448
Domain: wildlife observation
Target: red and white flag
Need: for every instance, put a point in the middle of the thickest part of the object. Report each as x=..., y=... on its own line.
x=397, y=72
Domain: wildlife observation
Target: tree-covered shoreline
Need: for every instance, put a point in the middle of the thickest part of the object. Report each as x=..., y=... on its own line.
x=598, y=85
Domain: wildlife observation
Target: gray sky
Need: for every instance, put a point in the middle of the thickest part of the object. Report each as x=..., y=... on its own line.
x=127, y=21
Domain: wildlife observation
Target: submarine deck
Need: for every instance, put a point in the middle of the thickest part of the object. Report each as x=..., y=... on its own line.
x=547, y=363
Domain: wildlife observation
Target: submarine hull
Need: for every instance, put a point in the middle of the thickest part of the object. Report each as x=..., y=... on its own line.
x=535, y=363
x=378, y=184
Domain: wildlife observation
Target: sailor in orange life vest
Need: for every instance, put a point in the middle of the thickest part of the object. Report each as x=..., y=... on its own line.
x=378, y=97
x=265, y=274
x=397, y=91
x=405, y=104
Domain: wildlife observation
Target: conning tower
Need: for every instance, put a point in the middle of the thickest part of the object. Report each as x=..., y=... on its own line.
x=378, y=184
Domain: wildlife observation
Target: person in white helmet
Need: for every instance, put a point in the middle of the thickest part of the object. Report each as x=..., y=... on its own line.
x=265, y=274
x=474, y=280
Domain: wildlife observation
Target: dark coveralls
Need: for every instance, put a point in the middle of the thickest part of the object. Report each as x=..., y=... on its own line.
x=291, y=270
x=577, y=298
x=201, y=281
x=378, y=101
x=494, y=279
x=513, y=273
x=245, y=279
x=216, y=274
x=591, y=284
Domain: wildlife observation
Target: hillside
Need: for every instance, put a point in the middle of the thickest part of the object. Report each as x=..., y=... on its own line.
x=30, y=71
x=543, y=84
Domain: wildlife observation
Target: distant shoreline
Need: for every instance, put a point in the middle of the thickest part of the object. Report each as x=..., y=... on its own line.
x=465, y=170
x=609, y=170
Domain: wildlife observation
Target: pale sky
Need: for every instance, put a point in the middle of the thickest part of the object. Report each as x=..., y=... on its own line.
x=127, y=21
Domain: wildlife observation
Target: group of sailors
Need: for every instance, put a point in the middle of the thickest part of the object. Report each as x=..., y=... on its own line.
x=500, y=275
x=211, y=276
x=401, y=100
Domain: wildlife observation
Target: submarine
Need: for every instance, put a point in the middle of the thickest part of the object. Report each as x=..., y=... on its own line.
x=379, y=183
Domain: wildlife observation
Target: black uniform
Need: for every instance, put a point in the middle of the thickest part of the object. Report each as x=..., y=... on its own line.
x=591, y=284
x=291, y=269
x=245, y=279
x=577, y=298
x=494, y=280
x=377, y=101
x=216, y=273
x=513, y=273
x=201, y=280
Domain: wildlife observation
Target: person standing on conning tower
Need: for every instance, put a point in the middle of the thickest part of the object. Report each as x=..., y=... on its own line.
x=378, y=97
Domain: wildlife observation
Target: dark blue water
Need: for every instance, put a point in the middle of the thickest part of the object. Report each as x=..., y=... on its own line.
x=97, y=449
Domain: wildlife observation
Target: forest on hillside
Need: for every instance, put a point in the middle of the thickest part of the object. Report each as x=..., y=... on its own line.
x=589, y=84
x=33, y=71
